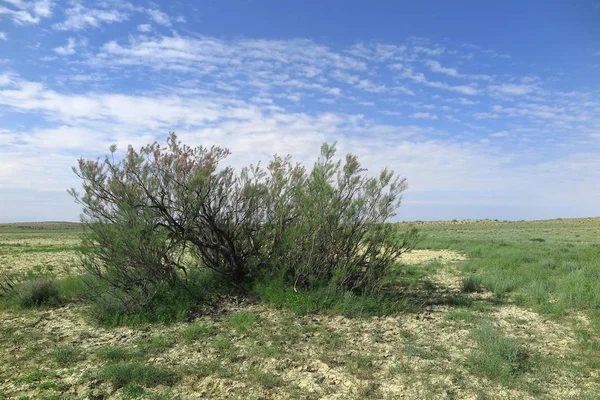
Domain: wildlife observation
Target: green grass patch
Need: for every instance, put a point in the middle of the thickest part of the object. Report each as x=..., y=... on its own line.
x=125, y=373
x=67, y=356
x=500, y=358
x=241, y=321
x=266, y=379
x=199, y=331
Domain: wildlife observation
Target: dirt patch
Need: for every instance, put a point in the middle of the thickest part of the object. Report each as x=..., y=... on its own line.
x=59, y=264
x=423, y=256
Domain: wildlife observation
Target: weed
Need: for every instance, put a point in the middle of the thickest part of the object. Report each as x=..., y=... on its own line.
x=48, y=385
x=67, y=356
x=207, y=368
x=199, y=331
x=241, y=321
x=132, y=391
x=37, y=292
x=498, y=357
x=266, y=379
x=124, y=373
x=471, y=284
x=115, y=353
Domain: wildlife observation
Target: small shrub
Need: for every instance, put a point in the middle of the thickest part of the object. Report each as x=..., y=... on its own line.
x=471, y=284
x=37, y=292
x=323, y=228
x=122, y=374
x=67, y=356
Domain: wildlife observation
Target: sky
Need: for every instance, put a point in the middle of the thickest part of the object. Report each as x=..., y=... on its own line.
x=489, y=109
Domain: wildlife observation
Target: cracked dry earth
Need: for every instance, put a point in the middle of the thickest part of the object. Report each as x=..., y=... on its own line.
x=283, y=355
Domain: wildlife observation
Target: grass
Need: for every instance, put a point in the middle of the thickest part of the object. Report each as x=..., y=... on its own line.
x=430, y=340
x=199, y=331
x=67, y=356
x=241, y=321
x=122, y=374
x=552, y=276
x=500, y=358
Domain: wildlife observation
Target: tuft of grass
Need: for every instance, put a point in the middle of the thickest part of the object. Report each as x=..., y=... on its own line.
x=132, y=391
x=124, y=373
x=500, y=358
x=266, y=379
x=34, y=376
x=154, y=344
x=241, y=321
x=327, y=300
x=67, y=356
x=208, y=368
x=361, y=366
x=471, y=284
x=462, y=314
x=117, y=353
x=199, y=331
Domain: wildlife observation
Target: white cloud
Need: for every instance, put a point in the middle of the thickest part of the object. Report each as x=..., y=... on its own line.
x=159, y=17
x=68, y=49
x=144, y=27
x=424, y=115
x=419, y=77
x=3, y=36
x=488, y=52
x=27, y=12
x=485, y=115
x=369, y=86
x=428, y=51
x=596, y=54
x=512, y=89
x=79, y=17
x=435, y=66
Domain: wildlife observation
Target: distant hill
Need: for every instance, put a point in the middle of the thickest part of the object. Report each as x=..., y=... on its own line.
x=47, y=225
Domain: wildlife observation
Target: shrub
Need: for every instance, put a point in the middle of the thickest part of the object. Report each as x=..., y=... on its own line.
x=36, y=292
x=158, y=213
x=471, y=284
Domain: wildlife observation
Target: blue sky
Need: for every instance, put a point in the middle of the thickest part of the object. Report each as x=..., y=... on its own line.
x=489, y=109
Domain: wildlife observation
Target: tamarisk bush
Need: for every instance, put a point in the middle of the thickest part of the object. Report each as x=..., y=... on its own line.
x=159, y=212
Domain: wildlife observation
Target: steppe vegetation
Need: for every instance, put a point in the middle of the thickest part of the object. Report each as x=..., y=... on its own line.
x=188, y=281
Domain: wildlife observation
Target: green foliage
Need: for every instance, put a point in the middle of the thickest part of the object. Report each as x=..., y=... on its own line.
x=551, y=276
x=132, y=391
x=125, y=373
x=115, y=306
x=266, y=379
x=157, y=215
x=36, y=292
x=309, y=301
x=67, y=356
x=471, y=284
x=241, y=321
x=199, y=331
x=498, y=357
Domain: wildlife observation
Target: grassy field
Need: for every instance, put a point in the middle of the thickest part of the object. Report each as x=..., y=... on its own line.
x=498, y=310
